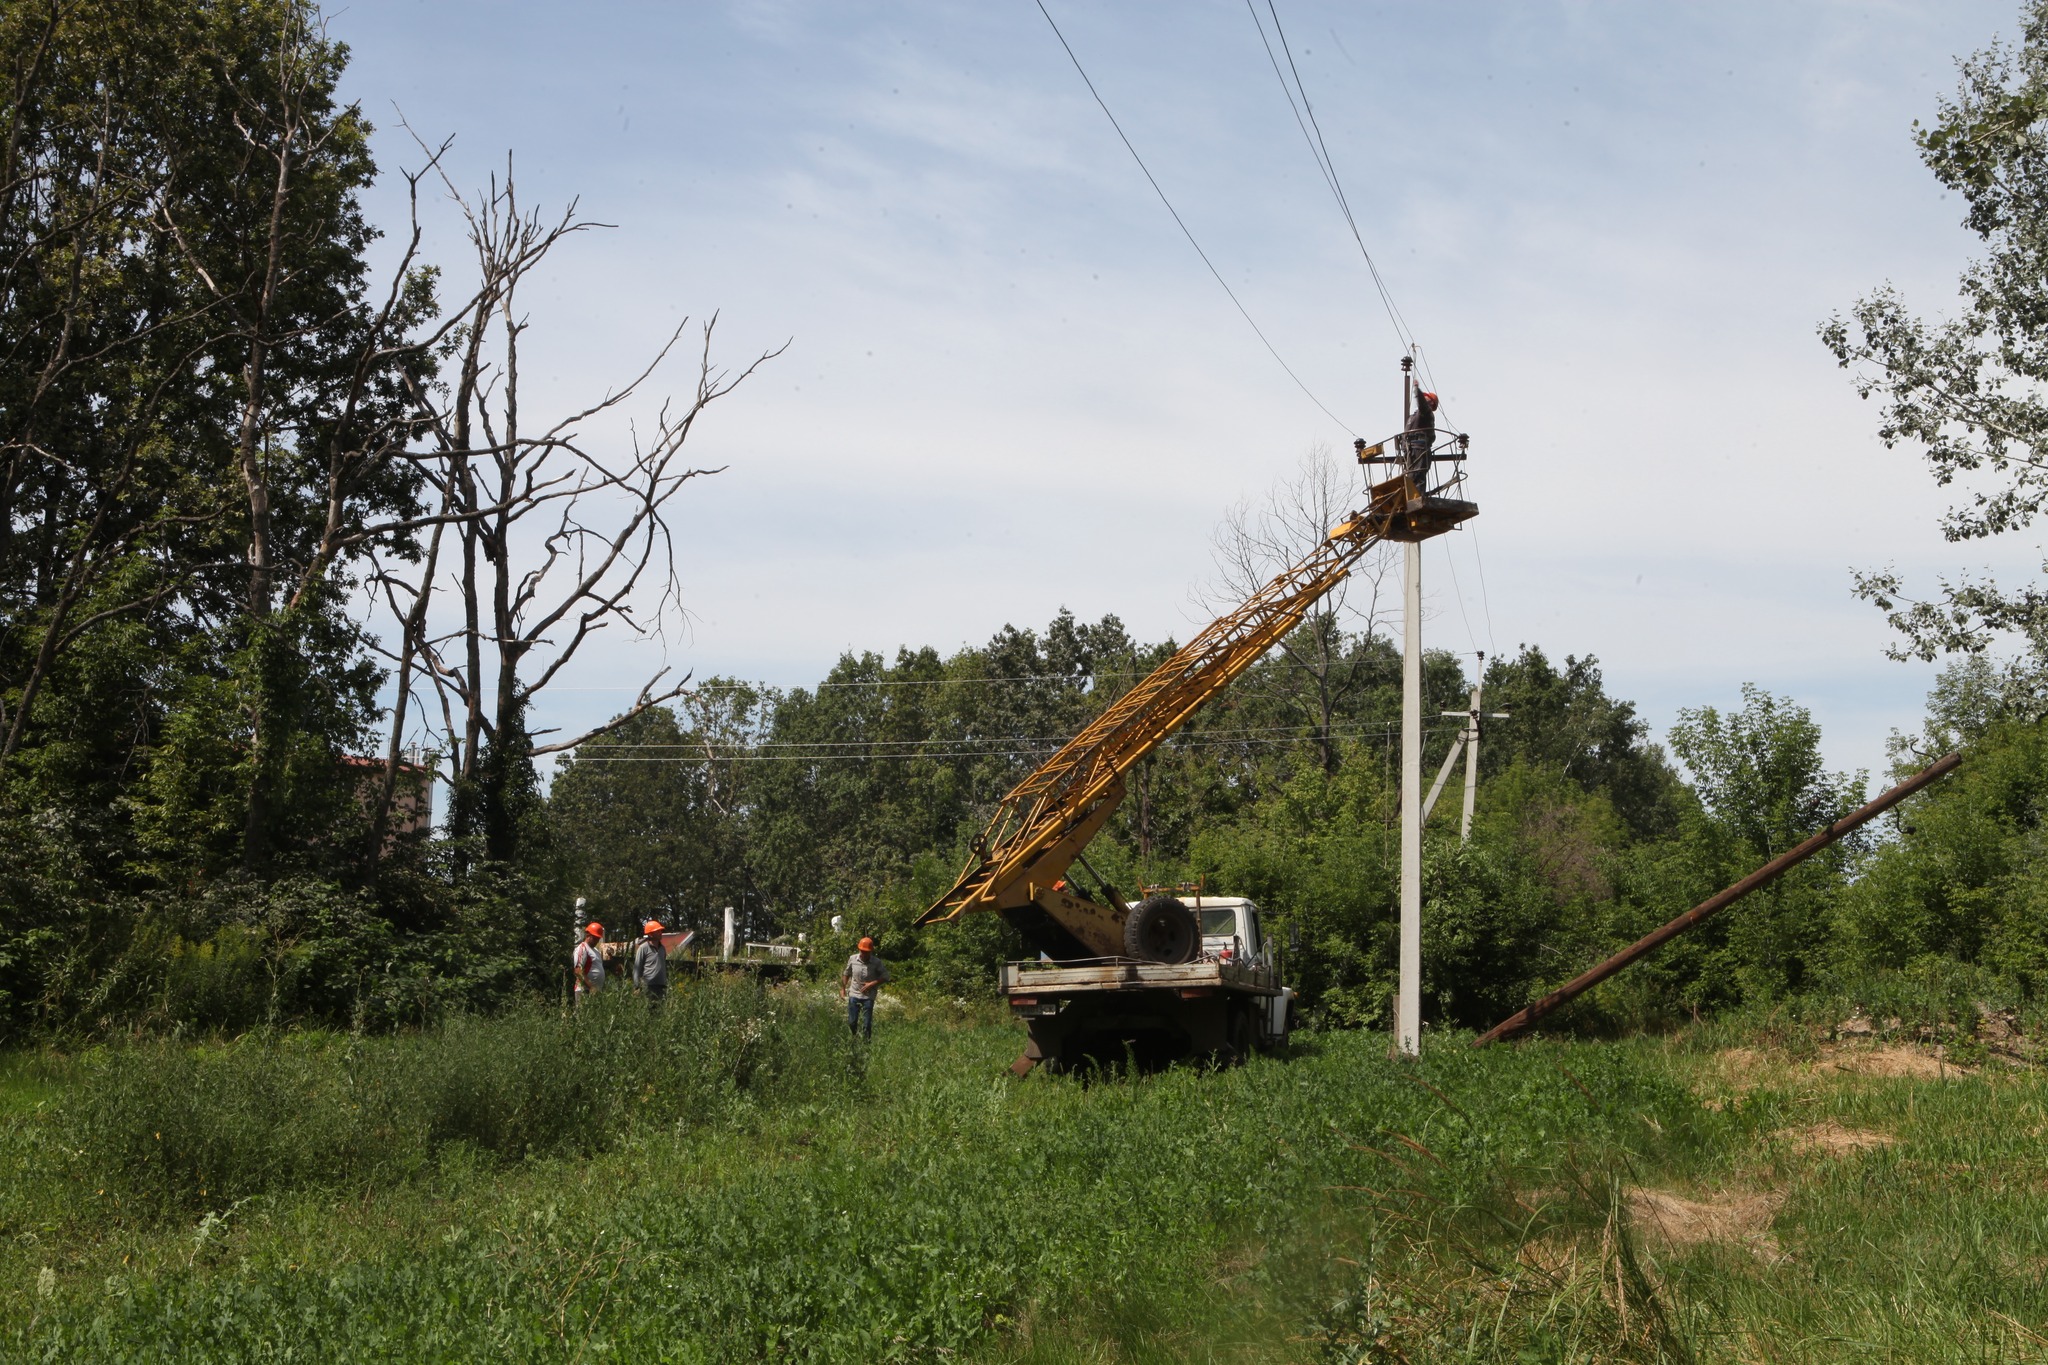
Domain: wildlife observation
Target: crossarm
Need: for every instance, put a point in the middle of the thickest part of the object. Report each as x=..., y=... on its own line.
x=1038, y=813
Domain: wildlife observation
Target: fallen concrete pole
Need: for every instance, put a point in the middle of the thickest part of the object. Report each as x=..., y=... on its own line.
x=1763, y=876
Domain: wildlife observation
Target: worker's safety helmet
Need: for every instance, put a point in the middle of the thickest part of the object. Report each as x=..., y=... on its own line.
x=594, y=929
x=867, y=945
x=1427, y=397
x=651, y=928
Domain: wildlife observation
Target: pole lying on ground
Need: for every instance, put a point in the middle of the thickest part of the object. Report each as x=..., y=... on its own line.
x=1763, y=876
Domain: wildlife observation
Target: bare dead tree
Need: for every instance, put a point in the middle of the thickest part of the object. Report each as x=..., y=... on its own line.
x=560, y=538
x=1256, y=540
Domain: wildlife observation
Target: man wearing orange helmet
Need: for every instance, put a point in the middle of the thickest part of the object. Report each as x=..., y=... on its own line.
x=587, y=962
x=1420, y=437
x=863, y=976
x=650, y=964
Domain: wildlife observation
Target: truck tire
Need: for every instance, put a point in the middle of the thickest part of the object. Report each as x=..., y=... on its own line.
x=1244, y=1032
x=1162, y=929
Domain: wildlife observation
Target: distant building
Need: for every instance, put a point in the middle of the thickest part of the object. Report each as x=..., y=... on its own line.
x=412, y=801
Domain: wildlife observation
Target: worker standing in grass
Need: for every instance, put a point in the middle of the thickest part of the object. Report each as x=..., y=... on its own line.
x=588, y=962
x=863, y=976
x=650, y=964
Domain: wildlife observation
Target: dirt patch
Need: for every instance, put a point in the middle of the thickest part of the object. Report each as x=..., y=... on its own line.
x=1735, y=1218
x=1907, y=1063
x=1832, y=1139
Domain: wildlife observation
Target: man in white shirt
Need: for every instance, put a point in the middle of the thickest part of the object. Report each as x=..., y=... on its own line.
x=587, y=962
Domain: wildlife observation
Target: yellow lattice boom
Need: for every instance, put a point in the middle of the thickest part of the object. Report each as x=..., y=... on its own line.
x=1022, y=855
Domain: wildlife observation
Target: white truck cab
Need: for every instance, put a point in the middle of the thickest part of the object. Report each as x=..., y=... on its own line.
x=1230, y=929
x=1231, y=932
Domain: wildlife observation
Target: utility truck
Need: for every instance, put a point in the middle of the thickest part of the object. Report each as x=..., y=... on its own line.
x=1108, y=974
x=1224, y=1001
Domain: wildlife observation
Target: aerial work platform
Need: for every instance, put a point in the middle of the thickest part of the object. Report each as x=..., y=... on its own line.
x=1412, y=506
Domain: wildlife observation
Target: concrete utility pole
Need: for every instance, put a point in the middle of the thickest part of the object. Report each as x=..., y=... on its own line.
x=1472, y=759
x=1408, y=999
x=1473, y=724
x=1424, y=507
x=1408, y=1004
x=1466, y=745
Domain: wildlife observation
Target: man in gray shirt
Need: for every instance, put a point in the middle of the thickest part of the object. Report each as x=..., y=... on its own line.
x=863, y=976
x=650, y=964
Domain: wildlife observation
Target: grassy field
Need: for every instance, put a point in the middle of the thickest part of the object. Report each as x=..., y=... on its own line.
x=736, y=1181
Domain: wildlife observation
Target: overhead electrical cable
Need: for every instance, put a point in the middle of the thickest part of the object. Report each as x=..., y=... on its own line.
x=1320, y=150
x=1043, y=681
x=1312, y=132
x=1485, y=606
x=1458, y=591
x=604, y=753
x=1227, y=733
x=1182, y=225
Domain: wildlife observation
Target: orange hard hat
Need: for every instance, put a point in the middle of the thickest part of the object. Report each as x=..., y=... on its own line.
x=594, y=929
x=867, y=945
x=1426, y=396
x=652, y=926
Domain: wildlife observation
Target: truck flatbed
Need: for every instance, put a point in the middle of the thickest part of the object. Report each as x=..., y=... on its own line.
x=1032, y=979
x=1225, y=1001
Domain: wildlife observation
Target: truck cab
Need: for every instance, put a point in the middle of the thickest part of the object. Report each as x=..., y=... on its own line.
x=1230, y=930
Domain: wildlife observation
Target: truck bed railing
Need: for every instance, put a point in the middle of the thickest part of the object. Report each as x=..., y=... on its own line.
x=1129, y=973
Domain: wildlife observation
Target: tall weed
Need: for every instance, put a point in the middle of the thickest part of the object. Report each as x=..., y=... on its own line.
x=185, y=1126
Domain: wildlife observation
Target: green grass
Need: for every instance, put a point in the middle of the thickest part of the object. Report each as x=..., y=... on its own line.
x=912, y=1201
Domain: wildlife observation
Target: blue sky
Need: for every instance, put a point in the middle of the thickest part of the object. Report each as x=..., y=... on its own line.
x=1011, y=386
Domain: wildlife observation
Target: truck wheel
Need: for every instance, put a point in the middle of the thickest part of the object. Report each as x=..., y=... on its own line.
x=1244, y=1031
x=1162, y=930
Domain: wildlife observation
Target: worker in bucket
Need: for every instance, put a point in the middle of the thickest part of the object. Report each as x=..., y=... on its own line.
x=1420, y=437
x=587, y=962
x=864, y=975
x=650, y=964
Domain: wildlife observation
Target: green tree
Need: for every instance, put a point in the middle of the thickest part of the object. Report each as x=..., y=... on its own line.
x=1967, y=389
x=1762, y=788
x=204, y=412
x=655, y=813
x=1562, y=718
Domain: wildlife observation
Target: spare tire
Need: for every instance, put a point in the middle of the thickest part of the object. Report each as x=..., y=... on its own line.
x=1162, y=929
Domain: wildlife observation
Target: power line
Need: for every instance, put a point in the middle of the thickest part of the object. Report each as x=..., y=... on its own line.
x=1047, y=680
x=1319, y=149
x=603, y=754
x=1178, y=222
x=1458, y=590
x=1484, y=605
x=984, y=681
x=1221, y=734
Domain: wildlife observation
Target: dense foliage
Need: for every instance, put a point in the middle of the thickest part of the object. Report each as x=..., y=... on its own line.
x=857, y=799
x=249, y=494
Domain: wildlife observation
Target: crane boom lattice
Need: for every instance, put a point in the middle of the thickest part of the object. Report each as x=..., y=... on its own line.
x=1041, y=825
